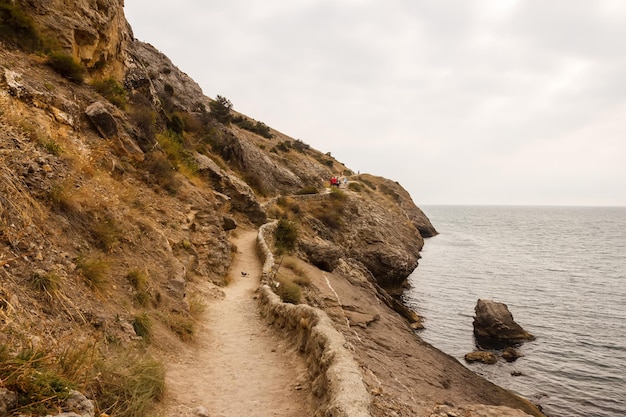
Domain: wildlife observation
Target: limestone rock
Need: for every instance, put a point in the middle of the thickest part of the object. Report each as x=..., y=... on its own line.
x=229, y=223
x=510, y=354
x=201, y=411
x=260, y=170
x=94, y=32
x=242, y=197
x=488, y=358
x=102, y=120
x=8, y=401
x=494, y=326
x=79, y=404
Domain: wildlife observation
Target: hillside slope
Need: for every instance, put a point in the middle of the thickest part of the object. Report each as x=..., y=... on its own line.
x=121, y=188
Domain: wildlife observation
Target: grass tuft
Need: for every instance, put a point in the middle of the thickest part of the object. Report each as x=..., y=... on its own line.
x=288, y=291
x=143, y=326
x=46, y=281
x=95, y=272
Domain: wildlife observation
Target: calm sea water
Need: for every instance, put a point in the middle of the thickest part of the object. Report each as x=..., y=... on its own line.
x=562, y=273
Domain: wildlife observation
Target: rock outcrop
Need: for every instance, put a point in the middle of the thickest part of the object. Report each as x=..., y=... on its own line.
x=93, y=31
x=494, y=326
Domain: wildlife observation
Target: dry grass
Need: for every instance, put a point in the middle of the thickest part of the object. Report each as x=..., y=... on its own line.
x=142, y=324
x=181, y=324
x=197, y=307
x=95, y=272
x=47, y=282
x=124, y=383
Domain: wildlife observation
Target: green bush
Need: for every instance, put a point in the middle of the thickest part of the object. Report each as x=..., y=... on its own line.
x=66, y=66
x=220, y=109
x=176, y=124
x=286, y=236
x=143, y=326
x=164, y=174
x=311, y=189
x=17, y=28
x=112, y=90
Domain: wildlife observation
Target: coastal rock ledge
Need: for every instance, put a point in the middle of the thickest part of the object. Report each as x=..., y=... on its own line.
x=494, y=327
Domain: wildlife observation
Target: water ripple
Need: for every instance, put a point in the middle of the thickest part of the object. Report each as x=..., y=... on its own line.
x=561, y=271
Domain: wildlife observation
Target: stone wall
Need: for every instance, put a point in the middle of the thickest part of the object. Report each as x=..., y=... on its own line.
x=335, y=376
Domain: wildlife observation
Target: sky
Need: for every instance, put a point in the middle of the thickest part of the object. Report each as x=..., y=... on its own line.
x=511, y=102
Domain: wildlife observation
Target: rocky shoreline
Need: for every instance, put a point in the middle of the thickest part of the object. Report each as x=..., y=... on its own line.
x=401, y=374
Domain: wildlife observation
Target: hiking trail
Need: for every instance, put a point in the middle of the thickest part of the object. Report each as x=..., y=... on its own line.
x=237, y=365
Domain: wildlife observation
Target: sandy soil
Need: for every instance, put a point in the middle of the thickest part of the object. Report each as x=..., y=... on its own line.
x=237, y=365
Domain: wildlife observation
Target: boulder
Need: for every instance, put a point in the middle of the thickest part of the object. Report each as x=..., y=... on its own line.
x=241, y=196
x=488, y=358
x=102, y=120
x=510, y=354
x=494, y=326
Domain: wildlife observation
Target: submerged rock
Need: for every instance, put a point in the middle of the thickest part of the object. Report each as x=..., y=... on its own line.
x=494, y=326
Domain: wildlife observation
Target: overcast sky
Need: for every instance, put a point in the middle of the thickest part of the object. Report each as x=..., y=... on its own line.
x=460, y=101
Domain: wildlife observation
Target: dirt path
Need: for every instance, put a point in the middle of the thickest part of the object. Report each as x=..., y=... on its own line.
x=238, y=367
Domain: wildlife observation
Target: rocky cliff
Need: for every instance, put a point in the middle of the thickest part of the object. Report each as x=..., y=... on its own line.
x=120, y=183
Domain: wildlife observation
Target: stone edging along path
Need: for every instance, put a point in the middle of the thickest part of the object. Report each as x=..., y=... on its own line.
x=334, y=373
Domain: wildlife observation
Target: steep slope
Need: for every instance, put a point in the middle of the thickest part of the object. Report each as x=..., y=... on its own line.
x=121, y=188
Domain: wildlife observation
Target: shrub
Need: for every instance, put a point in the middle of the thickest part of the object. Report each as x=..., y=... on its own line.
x=285, y=236
x=66, y=66
x=310, y=189
x=197, y=307
x=173, y=144
x=145, y=120
x=331, y=212
x=159, y=165
x=263, y=130
x=176, y=124
x=355, y=186
x=220, y=109
x=143, y=326
x=112, y=90
x=300, y=146
x=123, y=384
x=18, y=28
x=288, y=291
x=139, y=281
x=51, y=146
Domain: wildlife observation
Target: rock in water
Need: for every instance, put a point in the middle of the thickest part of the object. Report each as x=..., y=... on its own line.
x=488, y=358
x=494, y=326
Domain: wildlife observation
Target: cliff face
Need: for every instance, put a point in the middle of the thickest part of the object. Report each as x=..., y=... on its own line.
x=94, y=31
x=118, y=192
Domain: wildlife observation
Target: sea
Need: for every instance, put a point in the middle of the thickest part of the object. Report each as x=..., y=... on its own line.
x=562, y=273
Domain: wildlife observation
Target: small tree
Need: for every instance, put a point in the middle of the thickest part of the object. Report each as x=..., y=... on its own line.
x=286, y=236
x=220, y=109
